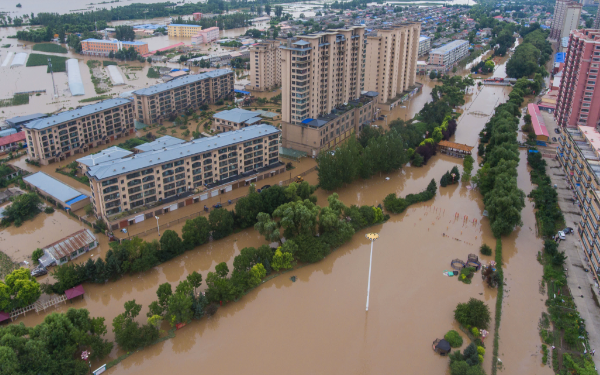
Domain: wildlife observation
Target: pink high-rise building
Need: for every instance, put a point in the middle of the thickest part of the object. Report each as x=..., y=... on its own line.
x=206, y=35
x=578, y=98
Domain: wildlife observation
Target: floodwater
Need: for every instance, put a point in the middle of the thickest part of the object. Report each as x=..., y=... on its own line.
x=322, y=315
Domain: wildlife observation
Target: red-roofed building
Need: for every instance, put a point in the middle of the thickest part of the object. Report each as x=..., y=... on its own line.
x=539, y=127
x=11, y=142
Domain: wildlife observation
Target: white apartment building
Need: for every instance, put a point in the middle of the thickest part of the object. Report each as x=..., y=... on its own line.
x=449, y=54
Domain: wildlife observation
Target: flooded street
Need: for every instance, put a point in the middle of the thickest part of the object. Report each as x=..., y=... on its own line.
x=322, y=315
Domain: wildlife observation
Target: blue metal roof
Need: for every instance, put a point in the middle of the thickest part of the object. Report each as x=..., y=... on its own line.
x=306, y=121
x=242, y=92
x=559, y=57
x=77, y=199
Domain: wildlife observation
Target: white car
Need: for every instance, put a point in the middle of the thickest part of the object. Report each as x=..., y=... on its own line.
x=561, y=235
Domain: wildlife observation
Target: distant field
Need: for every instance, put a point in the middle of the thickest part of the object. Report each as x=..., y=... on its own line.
x=49, y=47
x=107, y=63
x=38, y=59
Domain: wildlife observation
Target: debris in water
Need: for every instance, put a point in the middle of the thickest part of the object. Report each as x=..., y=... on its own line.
x=293, y=278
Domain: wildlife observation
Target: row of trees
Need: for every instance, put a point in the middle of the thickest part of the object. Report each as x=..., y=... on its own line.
x=531, y=55
x=549, y=216
x=224, y=22
x=397, y=205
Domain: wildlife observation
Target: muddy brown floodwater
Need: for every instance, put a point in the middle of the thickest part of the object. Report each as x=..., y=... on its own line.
x=322, y=315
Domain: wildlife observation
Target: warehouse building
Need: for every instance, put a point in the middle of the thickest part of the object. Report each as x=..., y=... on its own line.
x=60, y=192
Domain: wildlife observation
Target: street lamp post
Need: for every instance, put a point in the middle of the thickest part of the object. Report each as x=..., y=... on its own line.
x=157, y=226
x=371, y=237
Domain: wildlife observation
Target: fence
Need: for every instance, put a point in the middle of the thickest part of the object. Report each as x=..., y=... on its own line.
x=38, y=306
x=207, y=210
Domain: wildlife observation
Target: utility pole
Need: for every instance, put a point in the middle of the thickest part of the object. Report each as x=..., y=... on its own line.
x=52, y=74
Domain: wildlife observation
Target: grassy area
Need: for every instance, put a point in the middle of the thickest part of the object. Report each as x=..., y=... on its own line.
x=95, y=98
x=17, y=99
x=107, y=63
x=38, y=59
x=5, y=45
x=49, y=47
x=153, y=73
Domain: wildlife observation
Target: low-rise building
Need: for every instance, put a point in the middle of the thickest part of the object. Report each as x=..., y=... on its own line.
x=183, y=30
x=68, y=248
x=424, y=45
x=58, y=191
x=159, y=101
x=234, y=119
x=148, y=184
x=12, y=142
x=314, y=135
x=449, y=54
x=19, y=121
x=67, y=133
x=101, y=47
x=579, y=155
x=206, y=36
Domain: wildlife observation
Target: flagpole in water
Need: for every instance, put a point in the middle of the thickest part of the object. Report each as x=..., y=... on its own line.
x=371, y=237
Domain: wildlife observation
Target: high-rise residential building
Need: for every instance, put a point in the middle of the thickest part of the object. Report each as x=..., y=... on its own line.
x=597, y=19
x=449, y=54
x=265, y=66
x=566, y=18
x=322, y=77
x=577, y=96
x=183, y=30
x=578, y=153
x=100, y=47
x=424, y=45
x=206, y=36
x=391, y=61
x=148, y=184
x=68, y=133
x=160, y=101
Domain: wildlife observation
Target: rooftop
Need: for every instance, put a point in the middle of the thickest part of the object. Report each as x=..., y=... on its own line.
x=52, y=186
x=64, y=247
x=76, y=113
x=114, y=41
x=449, y=46
x=159, y=143
x=183, y=24
x=20, y=119
x=237, y=115
x=16, y=137
x=197, y=146
x=591, y=135
x=537, y=121
x=181, y=82
x=108, y=154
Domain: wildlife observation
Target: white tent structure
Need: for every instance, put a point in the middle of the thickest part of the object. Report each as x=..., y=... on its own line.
x=75, y=81
x=19, y=60
x=9, y=56
x=115, y=75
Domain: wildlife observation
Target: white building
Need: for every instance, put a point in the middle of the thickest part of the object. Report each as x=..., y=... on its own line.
x=424, y=45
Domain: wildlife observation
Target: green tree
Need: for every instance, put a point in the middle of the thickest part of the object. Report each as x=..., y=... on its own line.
x=195, y=280
x=298, y=217
x=170, y=244
x=179, y=308
x=267, y=227
x=474, y=313
x=23, y=207
x=219, y=287
x=278, y=11
x=257, y=273
x=37, y=254
x=221, y=223
x=524, y=62
x=21, y=289
x=282, y=260
x=247, y=208
x=195, y=232
x=124, y=33
x=128, y=333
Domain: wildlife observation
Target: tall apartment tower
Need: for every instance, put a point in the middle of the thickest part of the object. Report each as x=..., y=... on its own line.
x=597, y=19
x=321, y=72
x=391, y=60
x=576, y=104
x=265, y=66
x=566, y=18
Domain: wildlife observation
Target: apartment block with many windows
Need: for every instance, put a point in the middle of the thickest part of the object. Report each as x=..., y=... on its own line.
x=67, y=133
x=157, y=102
x=265, y=66
x=566, y=18
x=577, y=96
x=579, y=155
x=391, y=61
x=183, y=30
x=149, y=183
x=449, y=54
x=100, y=47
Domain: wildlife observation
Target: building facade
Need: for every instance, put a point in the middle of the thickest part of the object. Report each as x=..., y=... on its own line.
x=183, y=30
x=67, y=133
x=265, y=66
x=100, y=47
x=157, y=102
x=566, y=18
x=577, y=94
x=597, y=19
x=320, y=72
x=578, y=153
x=449, y=54
x=424, y=45
x=151, y=180
x=206, y=36
x=391, y=61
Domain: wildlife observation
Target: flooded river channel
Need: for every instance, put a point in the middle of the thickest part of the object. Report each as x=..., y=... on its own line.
x=318, y=324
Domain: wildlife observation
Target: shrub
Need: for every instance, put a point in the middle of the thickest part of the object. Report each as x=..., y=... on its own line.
x=454, y=339
x=49, y=210
x=37, y=254
x=475, y=331
x=473, y=313
x=485, y=250
x=480, y=350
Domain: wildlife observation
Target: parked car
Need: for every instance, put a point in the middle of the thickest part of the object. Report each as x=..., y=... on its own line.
x=218, y=205
x=381, y=118
x=39, y=271
x=554, y=139
x=263, y=188
x=557, y=131
x=561, y=235
x=568, y=230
